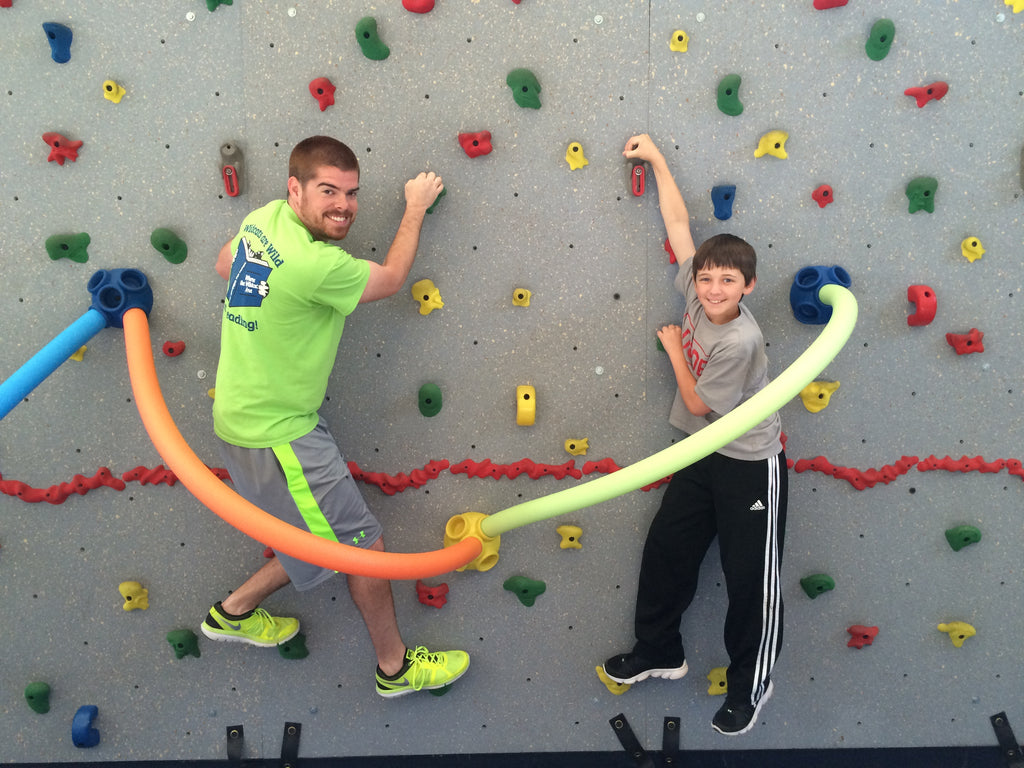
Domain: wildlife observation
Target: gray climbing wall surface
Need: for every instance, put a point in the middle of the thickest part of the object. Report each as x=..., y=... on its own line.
x=591, y=254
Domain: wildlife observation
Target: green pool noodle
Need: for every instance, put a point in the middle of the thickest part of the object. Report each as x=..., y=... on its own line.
x=817, y=584
x=368, y=39
x=38, y=697
x=729, y=95
x=430, y=400
x=880, y=40
x=72, y=247
x=169, y=245
x=962, y=536
x=525, y=88
x=708, y=440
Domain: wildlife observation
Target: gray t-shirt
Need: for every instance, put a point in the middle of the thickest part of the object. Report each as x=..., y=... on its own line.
x=730, y=366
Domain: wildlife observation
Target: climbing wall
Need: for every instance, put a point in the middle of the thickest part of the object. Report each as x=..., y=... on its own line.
x=918, y=440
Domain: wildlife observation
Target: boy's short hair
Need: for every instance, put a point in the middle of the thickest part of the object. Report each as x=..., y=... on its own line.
x=729, y=252
x=316, y=151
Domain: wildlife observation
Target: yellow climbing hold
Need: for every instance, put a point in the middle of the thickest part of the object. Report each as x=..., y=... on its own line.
x=958, y=631
x=817, y=394
x=575, y=447
x=1018, y=5
x=79, y=355
x=574, y=156
x=772, y=143
x=718, y=683
x=521, y=297
x=427, y=294
x=526, y=405
x=212, y=393
x=680, y=41
x=570, y=536
x=971, y=248
x=617, y=688
x=135, y=595
x=112, y=91
x=466, y=524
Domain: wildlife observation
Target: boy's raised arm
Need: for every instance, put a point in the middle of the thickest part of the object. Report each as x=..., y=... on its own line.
x=670, y=199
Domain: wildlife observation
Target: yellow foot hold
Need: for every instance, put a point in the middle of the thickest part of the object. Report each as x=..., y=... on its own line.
x=521, y=297
x=427, y=294
x=112, y=91
x=680, y=41
x=574, y=156
x=772, y=143
x=1018, y=5
x=526, y=405
x=577, y=447
x=79, y=356
x=570, y=536
x=134, y=594
x=817, y=394
x=718, y=683
x=971, y=246
x=617, y=688
x=958, y=631
x=469, y=524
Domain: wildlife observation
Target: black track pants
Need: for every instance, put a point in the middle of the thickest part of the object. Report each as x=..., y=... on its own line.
x=744, y=504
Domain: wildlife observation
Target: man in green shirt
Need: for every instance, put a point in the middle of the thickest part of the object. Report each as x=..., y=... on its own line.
x=289, y=292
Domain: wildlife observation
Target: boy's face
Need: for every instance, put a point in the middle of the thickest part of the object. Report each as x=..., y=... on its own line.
x=720, y=290
x=326, y=204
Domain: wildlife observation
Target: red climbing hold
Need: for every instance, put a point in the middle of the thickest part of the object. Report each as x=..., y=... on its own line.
x=476, y=144
x=861, y=635
x=432, y=596
x=670, y=252
x=822, y=5
x=322, y=90
x=418, y=6
x=10, y=3
x=927, y=93
x=61, y=149
x=924, y=299
x=173, y=348
x=822, y=195
x=966, y=343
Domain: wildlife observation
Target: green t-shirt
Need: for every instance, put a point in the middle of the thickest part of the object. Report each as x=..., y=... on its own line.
x=287, y=299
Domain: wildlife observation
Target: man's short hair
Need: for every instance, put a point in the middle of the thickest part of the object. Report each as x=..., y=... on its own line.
x=728, y=252
x=317, y=151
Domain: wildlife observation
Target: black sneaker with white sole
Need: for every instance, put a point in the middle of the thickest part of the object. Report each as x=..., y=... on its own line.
x=629, y=668
x=733, y=718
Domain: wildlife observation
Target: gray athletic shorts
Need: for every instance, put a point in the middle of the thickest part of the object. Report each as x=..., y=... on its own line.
x=307, y=484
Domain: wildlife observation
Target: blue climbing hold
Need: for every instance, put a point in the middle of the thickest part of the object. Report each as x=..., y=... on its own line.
x=60, y=41
x=115, y=291
x=722, y=198
x=82, y=733
x=803, y=296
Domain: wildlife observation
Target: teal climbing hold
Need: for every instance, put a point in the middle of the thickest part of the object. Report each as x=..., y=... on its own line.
x=526, y=589
x=880, y=40
x=38, y=697
x=368, y=39
x=430, y=399
x=962, y=536
x=184, y=642
x=729, y=95
x=212, y=5
x=294, y=648
x=169, y=245
x=69, y=247
x=817, y=584
x=921, y=194
x=525, y=88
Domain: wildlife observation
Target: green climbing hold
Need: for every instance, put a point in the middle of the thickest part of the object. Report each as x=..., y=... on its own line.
x=38, y=697
x=433, y=205
x=169, y=245
x=962, y=536
x=212, y=5
x=882, y=33
x=527, y=590
x=368, y=39
x=525, y=88
x=294, y=648
x=921, y=194
x=729, y=95
x=817, y=584
x=69, y=247
x=430, y=400
x=184, y=642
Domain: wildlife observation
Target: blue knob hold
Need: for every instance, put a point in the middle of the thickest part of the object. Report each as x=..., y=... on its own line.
x=60, y=41
x=82, y=733
x=803, y=296
x=722, y=198
x=115, y=291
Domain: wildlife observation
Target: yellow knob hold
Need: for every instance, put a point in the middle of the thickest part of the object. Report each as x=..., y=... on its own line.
x=1018, y=5
x=521, y=297
x=526, y=405
x=79, y=355
x=112, y=91
x=134, y=594
x=617, y=688
x=427, y=294
x=772, y=143
x=719, y=685
x=817, y=394
x=576, y=447
x=971, y=249
x=469, y=524
x=574, y=156
x=680, y=41
x=570, y=536
x=958, y=631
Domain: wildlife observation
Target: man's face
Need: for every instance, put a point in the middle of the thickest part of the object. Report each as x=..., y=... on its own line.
x=326, y=204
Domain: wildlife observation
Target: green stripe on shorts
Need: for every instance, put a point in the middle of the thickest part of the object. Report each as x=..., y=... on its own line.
x=301, y=493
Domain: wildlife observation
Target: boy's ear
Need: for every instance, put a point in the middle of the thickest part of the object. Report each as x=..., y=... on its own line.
x=749, y=286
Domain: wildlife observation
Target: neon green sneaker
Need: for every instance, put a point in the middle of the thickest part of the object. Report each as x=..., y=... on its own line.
x=258, y=627
x=424, y=671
